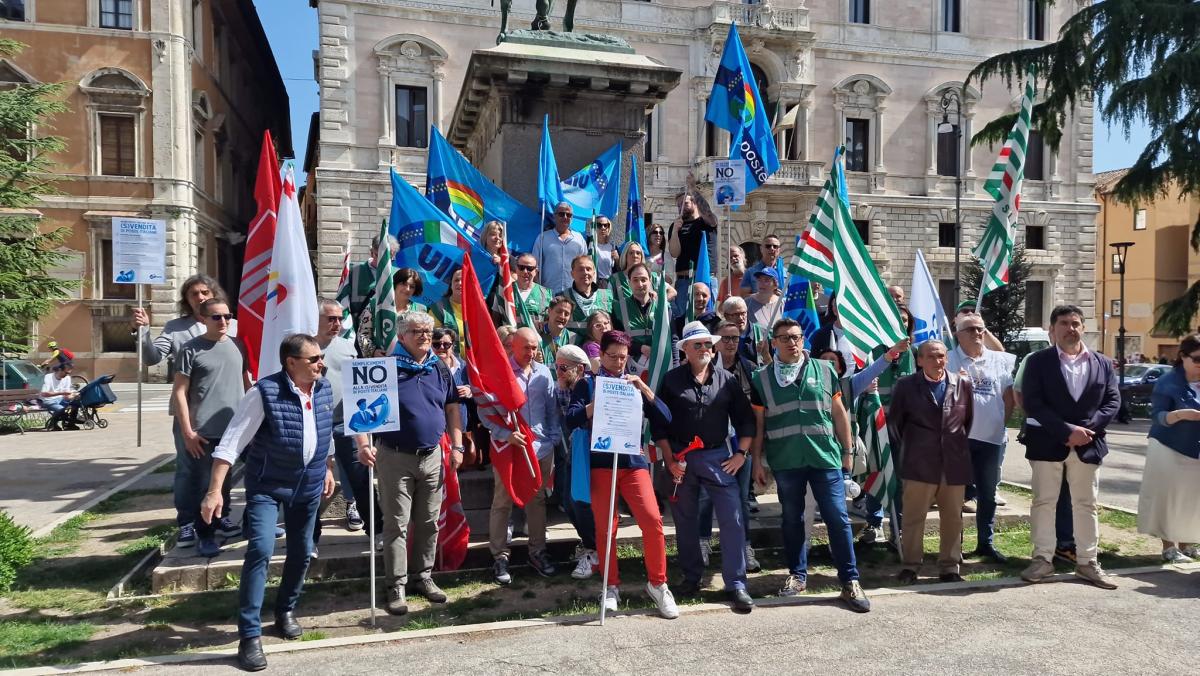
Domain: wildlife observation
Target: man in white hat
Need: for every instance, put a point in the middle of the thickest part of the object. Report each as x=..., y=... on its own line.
x=705, y=402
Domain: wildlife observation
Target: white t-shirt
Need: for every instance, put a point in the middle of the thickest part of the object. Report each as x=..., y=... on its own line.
x=990, y=375
x=52, y=384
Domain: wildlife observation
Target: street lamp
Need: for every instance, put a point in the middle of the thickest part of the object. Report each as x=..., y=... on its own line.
x=1122, y=249
x=952, y=96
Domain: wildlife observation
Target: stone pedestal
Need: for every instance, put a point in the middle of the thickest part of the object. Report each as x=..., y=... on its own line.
x=596, y=90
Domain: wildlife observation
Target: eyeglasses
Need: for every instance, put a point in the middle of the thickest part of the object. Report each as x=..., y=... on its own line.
x=562, y=214
x=420, y=332
x=333, y=318
x=972, y=329
x=729, y=339
x=225, y=317
x=620, y=356
x=443, y=345
x=527, y=268
x=790, y=337
x=735, y=313
x=313, y=359
x=771, y=246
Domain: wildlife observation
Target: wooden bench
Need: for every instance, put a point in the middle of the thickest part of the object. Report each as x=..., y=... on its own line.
x=14, y=409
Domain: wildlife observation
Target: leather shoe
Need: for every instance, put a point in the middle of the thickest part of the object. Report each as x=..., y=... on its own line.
x=288, y=626
x=250, y=654
x=742, y=603
x=950, y=577
x=989, y=554
x=687, y=589
x=907, y=576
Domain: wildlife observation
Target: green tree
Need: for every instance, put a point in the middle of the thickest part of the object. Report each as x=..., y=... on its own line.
x=28, y=254
x=1141, y=60
x=1003, y=309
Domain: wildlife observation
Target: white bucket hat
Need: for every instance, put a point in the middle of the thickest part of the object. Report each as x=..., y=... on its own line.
x=695, y=331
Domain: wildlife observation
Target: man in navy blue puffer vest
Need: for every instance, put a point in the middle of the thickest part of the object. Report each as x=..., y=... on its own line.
x=285, y=426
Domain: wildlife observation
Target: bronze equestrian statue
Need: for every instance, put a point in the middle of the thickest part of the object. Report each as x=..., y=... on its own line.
x=541, y=22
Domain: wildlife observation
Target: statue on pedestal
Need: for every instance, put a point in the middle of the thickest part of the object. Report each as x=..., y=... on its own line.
x=541, y=22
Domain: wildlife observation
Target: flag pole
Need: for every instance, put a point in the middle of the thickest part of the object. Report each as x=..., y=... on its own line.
x=371, y=532
x=517, y=427
x=140, y=370
x=609, y=540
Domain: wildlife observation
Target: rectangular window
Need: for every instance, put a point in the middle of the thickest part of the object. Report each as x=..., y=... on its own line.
x=198, y=176
x=710, y=139
x=117, y=145
x=412, y=117
x=860, y=11
x=864, y=230
x=1035, y=157
x=946, y=295
x=111, y=290
x=951, y=16
x=1035, y=303
x=947, y=153
x=858, y=143
x=1139, y=219
x=13, y=10
x=1116, y=264
x=1115, y=308
x=116, y=14
x=648, y=153
x=1035, y=237
x=946, y=234
x=1035, y=21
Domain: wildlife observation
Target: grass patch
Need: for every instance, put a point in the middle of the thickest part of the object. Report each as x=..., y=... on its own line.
x=154, y=538
x=1116, y=519
x=27, y=643
x=1016, y=490
x=65, y=537
x=206, y=608
x=313, y=636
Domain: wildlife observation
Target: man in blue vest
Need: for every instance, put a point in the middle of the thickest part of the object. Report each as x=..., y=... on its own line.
x=284, y=425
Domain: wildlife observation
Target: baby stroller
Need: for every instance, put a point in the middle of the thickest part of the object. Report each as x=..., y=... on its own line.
x=85, y=410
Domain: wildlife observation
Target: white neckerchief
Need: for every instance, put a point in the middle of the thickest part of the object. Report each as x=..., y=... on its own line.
x=786, y=374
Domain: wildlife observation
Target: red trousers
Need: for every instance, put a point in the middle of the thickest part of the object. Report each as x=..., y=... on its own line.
x=635, y=487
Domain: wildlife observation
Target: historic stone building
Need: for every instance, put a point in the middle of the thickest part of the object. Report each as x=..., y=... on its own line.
x=869, y=74
x=168, y=100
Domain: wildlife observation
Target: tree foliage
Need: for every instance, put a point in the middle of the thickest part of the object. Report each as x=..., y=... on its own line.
x=1003, y=310
x=28, y=290
x=1141, y=60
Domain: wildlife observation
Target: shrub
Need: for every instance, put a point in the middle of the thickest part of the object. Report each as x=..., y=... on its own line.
x=16, y=550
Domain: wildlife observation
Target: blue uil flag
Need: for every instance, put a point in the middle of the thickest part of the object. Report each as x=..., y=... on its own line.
x=736, y=106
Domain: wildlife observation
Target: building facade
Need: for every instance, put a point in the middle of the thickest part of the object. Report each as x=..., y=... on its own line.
x=868, y=74
x=1160, y=265
x=168, y=101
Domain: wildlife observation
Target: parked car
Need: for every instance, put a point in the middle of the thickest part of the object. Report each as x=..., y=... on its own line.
x=1027, y=341
x=21, y=374
x=1139, y=381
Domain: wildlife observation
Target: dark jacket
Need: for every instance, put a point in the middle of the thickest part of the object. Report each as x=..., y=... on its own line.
x=275, y=456
x=933, y=440
x=1048, y=401
x=1172, y=393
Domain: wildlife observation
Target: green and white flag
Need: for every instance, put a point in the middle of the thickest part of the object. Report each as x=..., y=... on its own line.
x=661, y=350
x=880, y=480
x=1004, y=185
x=813, y=258
x=383, y=303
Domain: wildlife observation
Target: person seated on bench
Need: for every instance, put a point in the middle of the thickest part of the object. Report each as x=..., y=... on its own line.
x=57, y=395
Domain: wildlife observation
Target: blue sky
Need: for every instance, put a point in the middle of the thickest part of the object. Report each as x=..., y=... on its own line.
x=291, y=26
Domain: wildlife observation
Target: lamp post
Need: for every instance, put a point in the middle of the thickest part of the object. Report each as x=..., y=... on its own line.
x=1122, y=249
x=952, y=96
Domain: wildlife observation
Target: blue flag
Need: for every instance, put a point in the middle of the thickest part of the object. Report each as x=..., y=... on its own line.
x=471, y=199
x=735, y=105
x=595, y=189
x=800, y=305
x=635, y=223
x=550, y=191
x=704, y=267
x=431, y=243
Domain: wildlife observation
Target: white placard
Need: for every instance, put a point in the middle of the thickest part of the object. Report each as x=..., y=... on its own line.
x=370, y=396
x=617, y=418
x=729, y=182
x=139, y=251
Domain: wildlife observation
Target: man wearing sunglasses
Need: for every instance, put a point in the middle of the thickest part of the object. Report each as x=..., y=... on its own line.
x=555, y=249
x=211, y=376
x=770, y=250
x=534, y=297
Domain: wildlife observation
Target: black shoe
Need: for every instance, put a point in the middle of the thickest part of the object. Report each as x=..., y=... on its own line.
x=287, y=625
x=687, y=589
x=989, y=554
x=950, y=577
x=907, y=576
x=250, y=654
x=741, y=601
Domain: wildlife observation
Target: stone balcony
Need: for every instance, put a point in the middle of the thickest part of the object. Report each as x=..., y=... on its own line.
x=791, y=174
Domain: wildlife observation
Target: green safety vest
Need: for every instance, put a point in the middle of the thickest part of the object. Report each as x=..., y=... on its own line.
x=584, y=307
x=550, y=345
x=535, y=302
x=798, y=420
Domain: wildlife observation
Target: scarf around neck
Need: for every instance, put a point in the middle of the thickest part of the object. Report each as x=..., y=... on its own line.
x=786, y=374
x=406, y=364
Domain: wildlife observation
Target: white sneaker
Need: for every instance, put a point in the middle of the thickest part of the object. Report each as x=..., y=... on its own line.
x=612, y=598
x=705, y=550
x=1173, y=555
x=586, y=565
x=664, y=600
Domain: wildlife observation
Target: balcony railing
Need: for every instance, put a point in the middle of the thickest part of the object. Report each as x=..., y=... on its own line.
x=791, y=173
x=760, y=16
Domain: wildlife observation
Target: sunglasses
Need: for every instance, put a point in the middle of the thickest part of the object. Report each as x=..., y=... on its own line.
x=225, y=317
x=604, y=225
x=444, y=345
x=1194, y=357
x=313, y=359
x=771, y=246
x=567, y=367
x=527, y=268
x=563, y=214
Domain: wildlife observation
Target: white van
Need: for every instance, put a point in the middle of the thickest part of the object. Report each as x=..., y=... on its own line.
x=1028, y=340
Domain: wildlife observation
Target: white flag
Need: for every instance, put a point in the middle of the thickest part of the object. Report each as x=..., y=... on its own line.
x=291, y=291
x=929, y=317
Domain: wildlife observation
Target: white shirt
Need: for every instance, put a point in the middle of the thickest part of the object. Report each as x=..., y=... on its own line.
x=52, y=384
x=991, y=375
x=1075, y=370
x=249, y=416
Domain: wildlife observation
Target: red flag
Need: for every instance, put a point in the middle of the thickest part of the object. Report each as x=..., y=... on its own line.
x=497, y=395
x=506, y=287
x=256, y=264
x=454, y=532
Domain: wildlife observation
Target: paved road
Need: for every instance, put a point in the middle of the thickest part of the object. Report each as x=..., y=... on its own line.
x=1052, y=628
x=47, y=477
x=1121, y=474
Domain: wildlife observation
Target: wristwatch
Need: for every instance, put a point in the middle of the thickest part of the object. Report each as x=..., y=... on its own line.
x=741, y=452
x=458, y=449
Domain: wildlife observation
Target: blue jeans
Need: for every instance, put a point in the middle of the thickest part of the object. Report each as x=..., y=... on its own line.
x=1064, y=528
x=706, y=508
x=578, y=513
x=191, y=483
x=985, y=464
x=262, y=513
x=704, y=470
x=830, y=495
x=355, y=478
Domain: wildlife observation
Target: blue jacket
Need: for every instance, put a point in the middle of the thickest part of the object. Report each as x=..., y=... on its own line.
x=1172, y=393
x=1048, y=401
x=275, y=457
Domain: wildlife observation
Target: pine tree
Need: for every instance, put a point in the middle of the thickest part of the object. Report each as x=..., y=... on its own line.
x=28, y=254
x=1139, y=58
x=1003, y=309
